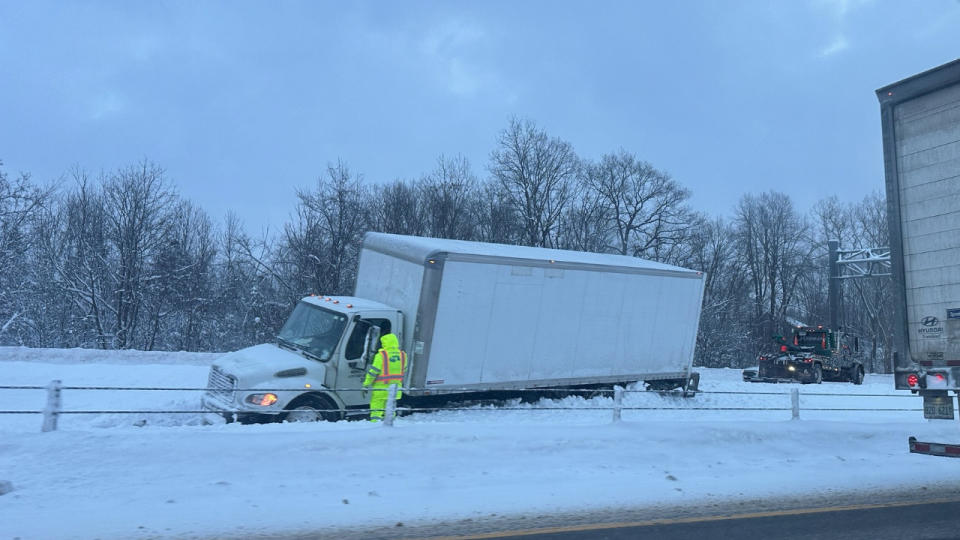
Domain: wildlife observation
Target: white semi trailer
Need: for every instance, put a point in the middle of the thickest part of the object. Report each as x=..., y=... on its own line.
x=921, y=147
x=474, y=318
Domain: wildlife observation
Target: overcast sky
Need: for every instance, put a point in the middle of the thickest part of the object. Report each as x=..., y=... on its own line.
x=243, y=102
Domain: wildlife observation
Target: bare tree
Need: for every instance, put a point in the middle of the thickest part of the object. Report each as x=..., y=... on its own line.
x=20, y=202
x=138, y=201
x=259, y=287
x=723, y=334
x=180, y=289
x=537, y=173
x=240, y=282
x=398, y=209
x=79, y=258
x=832, y=219
x=875, y=294
x=496, y=219
x=323, y=246
x=647, y=208
x=776, y=250
x=445, y=196
x=585, y=224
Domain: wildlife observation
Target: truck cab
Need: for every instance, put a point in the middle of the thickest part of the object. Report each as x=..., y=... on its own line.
x=314, y=370
x=812, y=354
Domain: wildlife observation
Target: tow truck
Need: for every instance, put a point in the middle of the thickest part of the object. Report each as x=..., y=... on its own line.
x=812, y=355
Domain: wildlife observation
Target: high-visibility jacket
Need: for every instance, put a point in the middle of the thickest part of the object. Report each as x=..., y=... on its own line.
x=389, y=365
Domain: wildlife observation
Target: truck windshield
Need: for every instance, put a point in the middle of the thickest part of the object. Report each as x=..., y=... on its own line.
x=313, y=330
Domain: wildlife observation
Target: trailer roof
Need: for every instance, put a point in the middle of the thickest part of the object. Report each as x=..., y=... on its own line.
x=920, y=84
x=420, y=249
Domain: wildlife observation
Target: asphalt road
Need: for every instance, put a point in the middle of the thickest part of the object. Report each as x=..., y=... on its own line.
x=927, y=513
x=928, y=520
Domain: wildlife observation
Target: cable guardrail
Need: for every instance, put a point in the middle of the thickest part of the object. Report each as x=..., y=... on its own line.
x=440, y=391
x=54, y=409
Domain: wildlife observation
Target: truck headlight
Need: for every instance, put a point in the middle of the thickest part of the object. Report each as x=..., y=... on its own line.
x=263, y=400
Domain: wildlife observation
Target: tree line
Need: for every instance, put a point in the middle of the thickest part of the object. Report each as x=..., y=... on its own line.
x=122, y=260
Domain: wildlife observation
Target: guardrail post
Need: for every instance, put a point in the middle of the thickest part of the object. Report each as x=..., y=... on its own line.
x=617, y=402
x=391, y=405
x=52, y=410
x=795, y=403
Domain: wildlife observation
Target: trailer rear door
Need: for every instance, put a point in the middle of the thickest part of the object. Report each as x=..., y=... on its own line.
x=921, y=121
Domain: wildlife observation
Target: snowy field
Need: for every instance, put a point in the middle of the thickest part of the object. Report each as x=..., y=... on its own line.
x=156, y=475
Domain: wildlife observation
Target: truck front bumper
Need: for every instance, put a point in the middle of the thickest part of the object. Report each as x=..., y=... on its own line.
x=782, y=372
x=220, y=412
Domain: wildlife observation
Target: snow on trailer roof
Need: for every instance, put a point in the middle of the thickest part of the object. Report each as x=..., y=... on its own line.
x=419, y=249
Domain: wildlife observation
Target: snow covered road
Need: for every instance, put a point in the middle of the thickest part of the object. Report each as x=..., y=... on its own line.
x=102, y=476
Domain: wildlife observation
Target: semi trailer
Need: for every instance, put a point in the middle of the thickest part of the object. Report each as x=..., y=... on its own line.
x=474, y=318
x=920, y=116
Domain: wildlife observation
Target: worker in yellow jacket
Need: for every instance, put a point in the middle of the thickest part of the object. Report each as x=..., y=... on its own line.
x=389, y=366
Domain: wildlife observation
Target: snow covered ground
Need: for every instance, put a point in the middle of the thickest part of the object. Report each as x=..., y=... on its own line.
x=168, y=476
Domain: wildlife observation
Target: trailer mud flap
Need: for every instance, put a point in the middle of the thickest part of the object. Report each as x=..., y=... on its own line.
x=692, y=385
x=934, y=449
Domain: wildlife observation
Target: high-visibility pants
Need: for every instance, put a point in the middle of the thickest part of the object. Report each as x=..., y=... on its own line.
x=378, y=403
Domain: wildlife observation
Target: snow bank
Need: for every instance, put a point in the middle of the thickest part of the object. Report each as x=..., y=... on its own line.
x=101, y=475
x=91, y=356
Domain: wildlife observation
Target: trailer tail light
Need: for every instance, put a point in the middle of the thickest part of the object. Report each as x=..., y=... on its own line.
x=936, y=380
x=913, y=380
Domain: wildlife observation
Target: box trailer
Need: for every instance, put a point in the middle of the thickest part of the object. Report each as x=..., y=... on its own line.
x=474, y=318
x=920, y=116
x=921, y=147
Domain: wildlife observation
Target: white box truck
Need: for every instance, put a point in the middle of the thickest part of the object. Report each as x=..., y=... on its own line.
x=921, y=149
x=473, y=318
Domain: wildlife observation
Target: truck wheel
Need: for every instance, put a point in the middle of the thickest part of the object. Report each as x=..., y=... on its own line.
x=857, y=376
x=817, y=374
x=311, y=409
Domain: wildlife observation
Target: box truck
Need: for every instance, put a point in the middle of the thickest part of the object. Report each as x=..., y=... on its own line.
x=921, y=148
x=474, y=318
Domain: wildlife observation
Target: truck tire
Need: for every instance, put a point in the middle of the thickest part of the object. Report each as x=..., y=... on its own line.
x=311, y=408
x=817, y=376
x=856, y=376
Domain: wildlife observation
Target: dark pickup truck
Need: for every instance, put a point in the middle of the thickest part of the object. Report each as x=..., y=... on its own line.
x=811, y=355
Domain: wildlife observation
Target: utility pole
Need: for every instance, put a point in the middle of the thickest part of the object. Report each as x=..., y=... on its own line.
x=834, y=285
